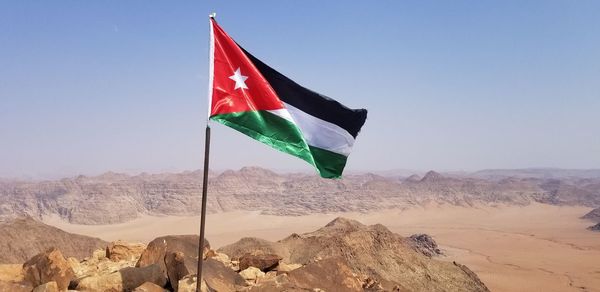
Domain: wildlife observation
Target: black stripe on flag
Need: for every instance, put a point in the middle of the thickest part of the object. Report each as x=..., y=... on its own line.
x=311, y=102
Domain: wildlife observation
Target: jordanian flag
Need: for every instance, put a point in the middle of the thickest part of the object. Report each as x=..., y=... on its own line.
x=253, y=98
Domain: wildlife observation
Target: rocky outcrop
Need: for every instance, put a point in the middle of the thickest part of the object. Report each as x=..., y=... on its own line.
x=264, y=262
x=593, y=215
x=424, y=244
x=125, y=279
x=344, y=255
x=113, y=198
x=48, y=266
x=149, y=287
x=175, y=254
x=121, y=250
x=375, y=256
x=24, y=237
x=332, y=274
x=594, y=228
x=47, y=287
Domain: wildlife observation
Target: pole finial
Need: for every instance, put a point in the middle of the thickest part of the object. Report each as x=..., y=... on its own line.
x=212, y=15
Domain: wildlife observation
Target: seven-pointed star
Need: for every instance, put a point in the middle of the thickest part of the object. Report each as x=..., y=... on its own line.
x=239, y=79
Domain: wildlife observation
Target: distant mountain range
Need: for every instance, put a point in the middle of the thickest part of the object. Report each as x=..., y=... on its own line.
x=113, y=198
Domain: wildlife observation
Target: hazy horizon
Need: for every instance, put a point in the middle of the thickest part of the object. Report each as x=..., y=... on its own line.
x=91, y=87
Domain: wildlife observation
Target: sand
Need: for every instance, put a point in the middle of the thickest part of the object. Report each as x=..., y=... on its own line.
x=533, y=248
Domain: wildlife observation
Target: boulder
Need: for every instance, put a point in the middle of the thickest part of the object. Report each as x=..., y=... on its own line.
x=157, y=250
x=254, y=246
x=121, y=250
x=331, y=274
x=188, y=284
x=15, y=286
x=48, y=266
x=219, y=277
x=125, y=279
x=47, y=287
x=150, y=287
x=11, y=273
x=424, y=244
x=252, y=274
x=264, y=262
x=176, y=267
x=285, y=268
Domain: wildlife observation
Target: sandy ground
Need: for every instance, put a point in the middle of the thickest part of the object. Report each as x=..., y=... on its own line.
x=533, y=248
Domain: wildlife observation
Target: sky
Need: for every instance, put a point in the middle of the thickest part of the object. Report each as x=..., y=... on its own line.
x=92, y=86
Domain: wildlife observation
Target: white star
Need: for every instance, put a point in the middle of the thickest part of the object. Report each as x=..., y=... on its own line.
x=239, y=79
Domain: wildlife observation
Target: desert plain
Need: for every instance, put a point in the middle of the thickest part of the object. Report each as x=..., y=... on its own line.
x=537, y=247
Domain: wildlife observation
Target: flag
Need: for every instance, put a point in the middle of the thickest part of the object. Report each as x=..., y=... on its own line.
x=251, y=97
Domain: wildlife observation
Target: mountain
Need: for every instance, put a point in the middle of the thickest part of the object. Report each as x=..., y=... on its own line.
x=371, y=252
x=24, y=237
x=593, y=215
x=542, y=173
x=114, y=198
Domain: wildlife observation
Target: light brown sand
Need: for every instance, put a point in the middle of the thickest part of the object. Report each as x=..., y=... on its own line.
x=533, y=248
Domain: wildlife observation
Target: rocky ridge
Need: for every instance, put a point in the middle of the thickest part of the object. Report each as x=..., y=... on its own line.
x=114, y=198
x=24, y=237
x=345, y=255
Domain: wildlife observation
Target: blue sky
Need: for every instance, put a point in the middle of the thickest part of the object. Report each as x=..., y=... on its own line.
x=92, y=86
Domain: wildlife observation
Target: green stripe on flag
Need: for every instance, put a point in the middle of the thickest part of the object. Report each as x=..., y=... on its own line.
x=284, y=136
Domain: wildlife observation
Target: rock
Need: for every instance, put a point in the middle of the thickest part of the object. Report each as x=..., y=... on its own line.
x=219, y=277
x=332, y=274
x=252, y=274
x=121, y=250
x=15, y=286
x=424, y=244
x=47, y=287
x=48, y=266
x=159, y=248
x=283, y=267
x=593, y=215
x=11, y=273
x=374, y=251
x=150, y=287
x=253, y=245
x=595, y=227
x=188, y=284
x=125, y=279
x=264, y=262
x=25, y=237
x=221, y=257
x=176, y=267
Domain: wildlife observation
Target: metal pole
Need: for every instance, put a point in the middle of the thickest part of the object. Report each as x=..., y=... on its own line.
x=203, y=213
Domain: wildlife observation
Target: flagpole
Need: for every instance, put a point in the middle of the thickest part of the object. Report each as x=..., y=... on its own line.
x=203, y=213
x=201, y=239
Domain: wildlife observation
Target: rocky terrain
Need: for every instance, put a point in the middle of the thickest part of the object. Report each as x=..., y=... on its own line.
x=23, y=237
x=595, y=227
x=593, y=215
x=113, y=198
x=344, y=255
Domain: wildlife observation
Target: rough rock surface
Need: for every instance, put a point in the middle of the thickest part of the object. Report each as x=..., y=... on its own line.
x=162, y=250
x=264, y=262
x=332, y=274
x=121, y=250
x=113, y=198
x=24, y=237
x=424, y=244
x=47, y=287
x=374, y=252
x=48, y=266
x=595, y=227
x=593, y=215
x=149, y=287
x=176, y=267
x=125, y=279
